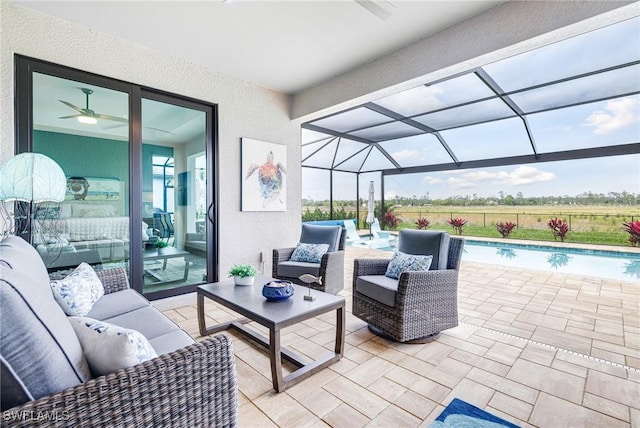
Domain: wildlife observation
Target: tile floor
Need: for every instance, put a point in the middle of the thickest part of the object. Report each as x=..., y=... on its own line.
x=537, y=348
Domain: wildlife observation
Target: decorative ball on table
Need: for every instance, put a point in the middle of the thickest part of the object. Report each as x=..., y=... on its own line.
x=243, y=274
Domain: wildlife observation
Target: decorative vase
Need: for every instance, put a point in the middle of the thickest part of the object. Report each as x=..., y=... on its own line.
x=243, y=280
x=277, y=290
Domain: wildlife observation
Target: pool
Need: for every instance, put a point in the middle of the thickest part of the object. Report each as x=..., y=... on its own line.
x=605, y=264
x=600, y=263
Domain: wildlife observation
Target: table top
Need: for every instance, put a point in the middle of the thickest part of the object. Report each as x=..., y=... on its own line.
x=166, y=253
x=249, y=301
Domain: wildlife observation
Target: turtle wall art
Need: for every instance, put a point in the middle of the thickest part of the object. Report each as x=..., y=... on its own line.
x=264, y=171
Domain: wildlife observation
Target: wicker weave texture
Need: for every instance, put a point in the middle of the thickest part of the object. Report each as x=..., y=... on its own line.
x=331, y=270
x=426, y=302
x=195, y=386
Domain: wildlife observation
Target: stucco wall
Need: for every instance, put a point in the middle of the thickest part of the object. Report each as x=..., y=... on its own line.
x=245, y=110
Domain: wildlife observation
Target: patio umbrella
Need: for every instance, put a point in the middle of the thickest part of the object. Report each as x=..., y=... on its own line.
x=370, y=207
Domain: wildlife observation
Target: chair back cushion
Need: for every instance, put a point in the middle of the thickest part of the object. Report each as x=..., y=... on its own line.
x=426, y=242
x=40, y=351
x=314, y=234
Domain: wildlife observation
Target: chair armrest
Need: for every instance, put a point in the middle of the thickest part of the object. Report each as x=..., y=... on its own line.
x=193, y=386
x=113, y=279
x=332, y=271
x=431, y=288
x=280, y=255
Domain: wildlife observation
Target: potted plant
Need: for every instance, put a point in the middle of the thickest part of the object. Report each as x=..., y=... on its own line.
x=161, y=245
x=243, y=274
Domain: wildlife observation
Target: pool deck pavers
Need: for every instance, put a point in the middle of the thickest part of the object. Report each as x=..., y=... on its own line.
x=537, y=348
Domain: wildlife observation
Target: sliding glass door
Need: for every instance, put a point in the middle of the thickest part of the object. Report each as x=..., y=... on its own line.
x=140, y=171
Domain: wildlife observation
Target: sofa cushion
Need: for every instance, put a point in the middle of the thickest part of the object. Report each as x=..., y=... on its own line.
x=148, y=320
x=426, y=242
x=330, y=235
x=37, y=341
x=171, y=341
x=118, y=303
x=378, y=287
x=79, y=291
x=291, y=269
x=108, y=347
x=14, y=392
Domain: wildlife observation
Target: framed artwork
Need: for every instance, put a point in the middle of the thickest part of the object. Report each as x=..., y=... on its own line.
x=264, y=176
x=92, y=189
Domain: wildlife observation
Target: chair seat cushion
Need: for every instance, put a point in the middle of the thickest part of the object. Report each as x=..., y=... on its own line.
x=378, y=287
x=171, y=341
x=148, y=320
x=290, y=269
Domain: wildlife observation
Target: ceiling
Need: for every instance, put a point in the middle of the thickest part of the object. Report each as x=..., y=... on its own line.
x=287, y=46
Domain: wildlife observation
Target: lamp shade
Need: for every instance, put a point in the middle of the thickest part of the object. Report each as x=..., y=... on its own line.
x=32, y=177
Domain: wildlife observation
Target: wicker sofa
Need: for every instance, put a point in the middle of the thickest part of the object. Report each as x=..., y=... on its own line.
x=45, y=378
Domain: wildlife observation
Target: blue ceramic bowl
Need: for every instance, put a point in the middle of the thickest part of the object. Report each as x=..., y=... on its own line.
x=277, y=290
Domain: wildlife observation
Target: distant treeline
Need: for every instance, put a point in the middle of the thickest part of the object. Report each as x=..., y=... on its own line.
x=586, y=198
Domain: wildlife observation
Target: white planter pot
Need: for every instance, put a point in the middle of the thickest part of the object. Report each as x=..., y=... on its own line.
x=247, y=280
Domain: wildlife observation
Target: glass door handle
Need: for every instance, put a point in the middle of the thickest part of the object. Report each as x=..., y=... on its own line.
x=210, y=213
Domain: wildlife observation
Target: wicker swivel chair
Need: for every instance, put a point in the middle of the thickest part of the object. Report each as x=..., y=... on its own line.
x=331, y=266
x=417, y=306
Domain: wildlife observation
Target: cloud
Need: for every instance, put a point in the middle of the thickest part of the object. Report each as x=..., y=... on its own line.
x=405, y=154
x=460, y=183
x=431, y=180
x=522, y=175
x=619, y=114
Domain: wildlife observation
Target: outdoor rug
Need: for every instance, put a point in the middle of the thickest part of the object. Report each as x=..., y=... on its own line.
x=462, y=414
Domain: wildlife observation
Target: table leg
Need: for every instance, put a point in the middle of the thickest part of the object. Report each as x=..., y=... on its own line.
x=274, y=356
x=200, y=307
x=186, y=269
x=340, y=327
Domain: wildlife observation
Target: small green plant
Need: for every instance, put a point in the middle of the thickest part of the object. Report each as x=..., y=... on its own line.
x=633, y=229
x=505, y=228
x=457, y=224
x=422, y=223
x=243, y=270
x=559, y=228
x=161, y=244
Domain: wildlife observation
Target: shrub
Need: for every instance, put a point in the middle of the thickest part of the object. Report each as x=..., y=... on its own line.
x=559, y=228
x=505, y=228
x=422, y=223
x=633, y=229
x=391, y=220
x=457, y=223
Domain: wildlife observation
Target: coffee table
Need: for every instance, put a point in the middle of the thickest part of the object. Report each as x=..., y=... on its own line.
x=164, y=255
x=249, y=302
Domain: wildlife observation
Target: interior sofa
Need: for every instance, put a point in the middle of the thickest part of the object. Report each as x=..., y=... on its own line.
x=46, y=380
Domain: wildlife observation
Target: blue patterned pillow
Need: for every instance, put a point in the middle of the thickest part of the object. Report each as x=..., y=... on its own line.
x=109, y=347
x=310, y=253
x=79, y=291
x=402, y=262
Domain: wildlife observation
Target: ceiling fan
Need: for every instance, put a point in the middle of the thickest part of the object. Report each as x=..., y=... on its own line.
x=86, y=114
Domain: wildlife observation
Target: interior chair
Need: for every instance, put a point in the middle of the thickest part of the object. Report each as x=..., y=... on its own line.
x=163, y=226
x=418, y=305
x=330, y=268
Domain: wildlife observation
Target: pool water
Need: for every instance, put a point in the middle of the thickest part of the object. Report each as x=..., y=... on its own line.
x=600, y=263
x=605, y=264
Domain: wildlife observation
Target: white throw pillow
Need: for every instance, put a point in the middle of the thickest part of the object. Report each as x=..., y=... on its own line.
x=108, y=347
x=79, y=291
x=309, y=253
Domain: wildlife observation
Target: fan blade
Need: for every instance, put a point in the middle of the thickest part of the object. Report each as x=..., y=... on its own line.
x=78, y=109
x=69, y=117
x=119, y=125
x=112, y=118
x=159, y=130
